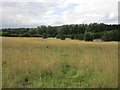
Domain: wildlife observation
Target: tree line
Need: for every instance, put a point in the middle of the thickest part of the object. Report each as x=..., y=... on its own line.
x=87, y=32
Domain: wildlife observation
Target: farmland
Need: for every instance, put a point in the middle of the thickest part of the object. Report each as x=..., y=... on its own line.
x=49, y=63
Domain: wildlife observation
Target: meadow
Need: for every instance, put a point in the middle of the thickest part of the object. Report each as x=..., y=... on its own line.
x=54, y=63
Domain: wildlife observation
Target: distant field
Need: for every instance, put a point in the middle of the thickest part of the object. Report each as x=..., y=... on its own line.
x=39, y=63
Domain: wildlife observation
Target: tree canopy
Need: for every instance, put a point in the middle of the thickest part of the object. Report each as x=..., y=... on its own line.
x=73, y=31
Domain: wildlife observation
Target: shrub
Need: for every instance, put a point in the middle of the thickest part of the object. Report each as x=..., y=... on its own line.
x=13, y=35
x=24, y=35
x=68, y=36
x=5, y=34
x=76, y=36
x=111, y=36
x=62, y=37
x=97, y=35
x=116, y=34
x=81, y=37
x=58, y=36
x=72, y=36
x=36, y=35
x=48, y=35
x=44, y=35
x=88, y=36
x=0, y=33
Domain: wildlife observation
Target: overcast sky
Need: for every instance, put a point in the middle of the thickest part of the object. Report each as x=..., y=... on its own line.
x=33, y=13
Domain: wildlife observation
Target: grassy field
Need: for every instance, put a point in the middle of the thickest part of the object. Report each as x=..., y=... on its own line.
x=39, y=63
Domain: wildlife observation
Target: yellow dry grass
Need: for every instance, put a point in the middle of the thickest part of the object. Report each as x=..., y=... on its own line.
x=37, y=55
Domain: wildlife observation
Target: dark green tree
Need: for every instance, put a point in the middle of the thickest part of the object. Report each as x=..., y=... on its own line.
x=88, y=36
x=111, y=35
x=44, y=36
x=62, y=37
x=81, y=37
x=72, y=36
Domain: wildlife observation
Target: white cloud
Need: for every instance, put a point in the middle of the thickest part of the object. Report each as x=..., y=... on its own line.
x=32, y=13
x=92, y=12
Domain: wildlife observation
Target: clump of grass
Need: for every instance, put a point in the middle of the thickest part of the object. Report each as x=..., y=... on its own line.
x=46, y=46
x=68, y=70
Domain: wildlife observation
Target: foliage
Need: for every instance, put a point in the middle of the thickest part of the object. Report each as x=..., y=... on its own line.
x=88, y=36
x=73, y=31
x=5, y=34
x=81, y=37
x=36, y=35
x=58, y=36
x=62, y=37
x=24, y=35
x=97, y=35
x=44, y=35
x=111, y=35
x=72, y=36
x=76, y=36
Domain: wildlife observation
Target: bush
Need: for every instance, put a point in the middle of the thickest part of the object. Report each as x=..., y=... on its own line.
x=81, y=37
x=48, y=35
x=97, y=35
x=13, y=35
x=24, y=35
x=68, y=36
x=62, y=37
x=88, y=36
x=0, y=33
x=36, y=35
x=116, y=34
x=76, y=36
x=111, y=36
x=44, y=35
x=5, y=34
x=72, y=36
x=58, y=36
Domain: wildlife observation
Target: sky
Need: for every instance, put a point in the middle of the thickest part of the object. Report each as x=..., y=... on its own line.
x=33, y=13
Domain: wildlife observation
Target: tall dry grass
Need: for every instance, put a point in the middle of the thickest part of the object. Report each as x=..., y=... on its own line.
x=36, y=62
